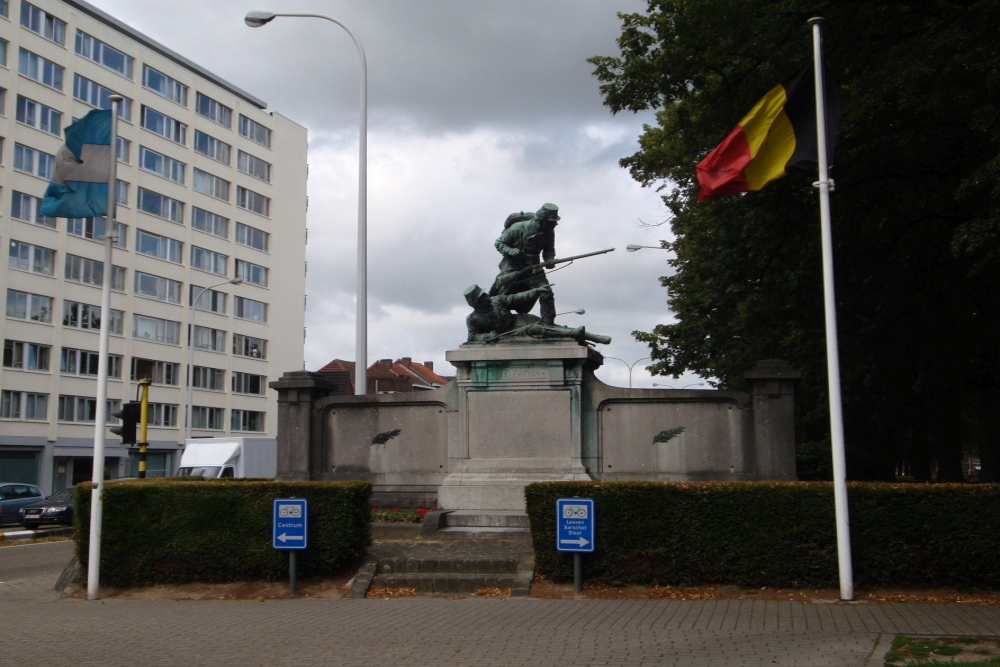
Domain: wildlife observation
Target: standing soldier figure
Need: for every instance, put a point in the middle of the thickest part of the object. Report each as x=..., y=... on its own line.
x=522, y=244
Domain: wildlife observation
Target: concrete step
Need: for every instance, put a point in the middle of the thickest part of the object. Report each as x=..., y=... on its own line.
x=442, y=582
x=481, y=519
x=457, y=565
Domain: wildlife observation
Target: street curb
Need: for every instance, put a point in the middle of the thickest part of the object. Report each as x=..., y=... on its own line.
x=20, y=535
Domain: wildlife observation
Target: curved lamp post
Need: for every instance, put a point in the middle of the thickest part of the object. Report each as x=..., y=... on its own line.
x=631, y=247
x=190, y=364
x=630, y=366
x=693, y=384
x=256, y=19
x=578, y=311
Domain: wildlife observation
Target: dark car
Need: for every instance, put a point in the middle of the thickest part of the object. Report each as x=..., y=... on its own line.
x=13, y=496
x=57, y=508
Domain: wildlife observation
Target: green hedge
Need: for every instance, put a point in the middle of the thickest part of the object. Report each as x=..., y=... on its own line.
x=177, y=531
x=776, y=534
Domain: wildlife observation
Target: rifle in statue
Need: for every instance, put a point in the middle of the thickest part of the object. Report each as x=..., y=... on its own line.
x=505, y=279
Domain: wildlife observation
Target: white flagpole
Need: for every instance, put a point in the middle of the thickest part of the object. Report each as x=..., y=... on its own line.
x=100, y=416
x=832, y=354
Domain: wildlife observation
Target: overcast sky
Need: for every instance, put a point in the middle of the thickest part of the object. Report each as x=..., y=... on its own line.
x=476, y=109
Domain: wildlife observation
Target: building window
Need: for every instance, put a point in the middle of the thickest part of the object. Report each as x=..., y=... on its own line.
x=124, y=148
x=255, y=274
x=91, y=272
x=249, y=346
x=161, y=247
x=206, y=418
x=33, y=161
x=28, y=306
x=161, y=165
x=85, y=362
x=40, y=69
x=161, y=84
x=208, y=299
x=85, y=316
x=247, y=420
x=164, y=125
x=248, y=383
x=3, y=52
x=157, y=372
x=207, y=260
x=211, y=185
x=206, y=338
x=94, y=49
x=33, y=258
x=253, y=166
x=213, y=379
x=25, y=356
x=84, y=409
x=248, y=309
x=252, y=237
x=254, y=131
x=210, y=223
x=23, y=405
x=157, y=287
x=96, y=95
x=156, y=329
x=211, y=147
x=253, y=201
x=25, y=208
x=38, y=116
x=161, y=206
x=161, y=414
x=42, y=23
x=213, y=110
x=93, y=228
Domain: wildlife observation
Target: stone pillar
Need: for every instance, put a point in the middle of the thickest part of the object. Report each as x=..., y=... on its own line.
x=518, y=421
x=773, y=399
x=298, y=425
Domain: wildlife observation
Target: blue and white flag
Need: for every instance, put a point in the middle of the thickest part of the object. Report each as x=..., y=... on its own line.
x=79, y=187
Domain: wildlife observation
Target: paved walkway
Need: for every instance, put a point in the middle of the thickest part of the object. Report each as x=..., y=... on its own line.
x=42, y=628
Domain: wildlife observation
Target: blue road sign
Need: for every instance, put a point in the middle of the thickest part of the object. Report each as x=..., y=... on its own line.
x=290, y=518
x=575, y=524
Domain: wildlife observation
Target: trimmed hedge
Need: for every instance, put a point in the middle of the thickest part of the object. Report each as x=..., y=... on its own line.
x=177, y=531
x=776, y=534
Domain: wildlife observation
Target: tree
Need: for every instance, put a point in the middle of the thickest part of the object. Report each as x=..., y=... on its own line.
x=916, y=215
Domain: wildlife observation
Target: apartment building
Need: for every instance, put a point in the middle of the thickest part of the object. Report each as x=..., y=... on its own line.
x=211, y=188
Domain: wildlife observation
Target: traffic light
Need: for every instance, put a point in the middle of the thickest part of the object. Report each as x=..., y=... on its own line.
x=129, y=414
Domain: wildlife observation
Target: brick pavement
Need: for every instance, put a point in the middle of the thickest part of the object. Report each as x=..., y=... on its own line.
x=41, y=628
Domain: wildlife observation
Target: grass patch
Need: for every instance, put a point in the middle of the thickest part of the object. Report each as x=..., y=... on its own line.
x=927, y=651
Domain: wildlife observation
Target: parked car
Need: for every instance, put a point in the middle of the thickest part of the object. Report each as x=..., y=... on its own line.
x=57, y=508
x=13, y=496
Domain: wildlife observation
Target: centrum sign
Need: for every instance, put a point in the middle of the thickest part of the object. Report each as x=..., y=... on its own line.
x=290, y=518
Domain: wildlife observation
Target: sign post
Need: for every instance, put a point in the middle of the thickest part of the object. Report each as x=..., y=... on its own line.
x=575, y=533
x=290, y=533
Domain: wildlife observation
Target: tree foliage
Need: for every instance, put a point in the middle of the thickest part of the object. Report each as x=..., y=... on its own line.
x=916, y=214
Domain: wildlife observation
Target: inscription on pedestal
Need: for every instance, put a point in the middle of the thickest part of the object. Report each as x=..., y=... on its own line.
x=494, y=373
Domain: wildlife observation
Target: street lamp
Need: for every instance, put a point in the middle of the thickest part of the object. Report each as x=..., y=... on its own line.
x=190, y=364
x=693, y=384
x=631, y=247
x=629, y=367
x=579, y=311
x=256, y=19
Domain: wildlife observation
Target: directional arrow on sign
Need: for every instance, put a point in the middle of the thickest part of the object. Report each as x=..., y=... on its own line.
x=284, y=537
x=580, y=542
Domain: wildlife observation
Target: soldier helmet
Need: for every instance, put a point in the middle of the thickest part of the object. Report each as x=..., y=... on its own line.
x=473, y=293
x=548, y=212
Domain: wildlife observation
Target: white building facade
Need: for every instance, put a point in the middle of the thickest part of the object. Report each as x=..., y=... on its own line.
x=211, y=187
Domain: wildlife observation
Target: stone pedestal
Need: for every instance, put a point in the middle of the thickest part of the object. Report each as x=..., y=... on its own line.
x=518, y=421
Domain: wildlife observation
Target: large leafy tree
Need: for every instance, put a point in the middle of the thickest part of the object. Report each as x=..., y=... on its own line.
x=916, y=214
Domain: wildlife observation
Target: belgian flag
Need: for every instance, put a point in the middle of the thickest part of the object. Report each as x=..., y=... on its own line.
x=777, y=135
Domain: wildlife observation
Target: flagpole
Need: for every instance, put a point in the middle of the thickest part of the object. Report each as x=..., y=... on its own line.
x=100, y=413
x=832, y=355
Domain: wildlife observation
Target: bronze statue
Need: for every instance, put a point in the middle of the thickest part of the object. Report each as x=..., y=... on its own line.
x=492, y=318
x=525, y=239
